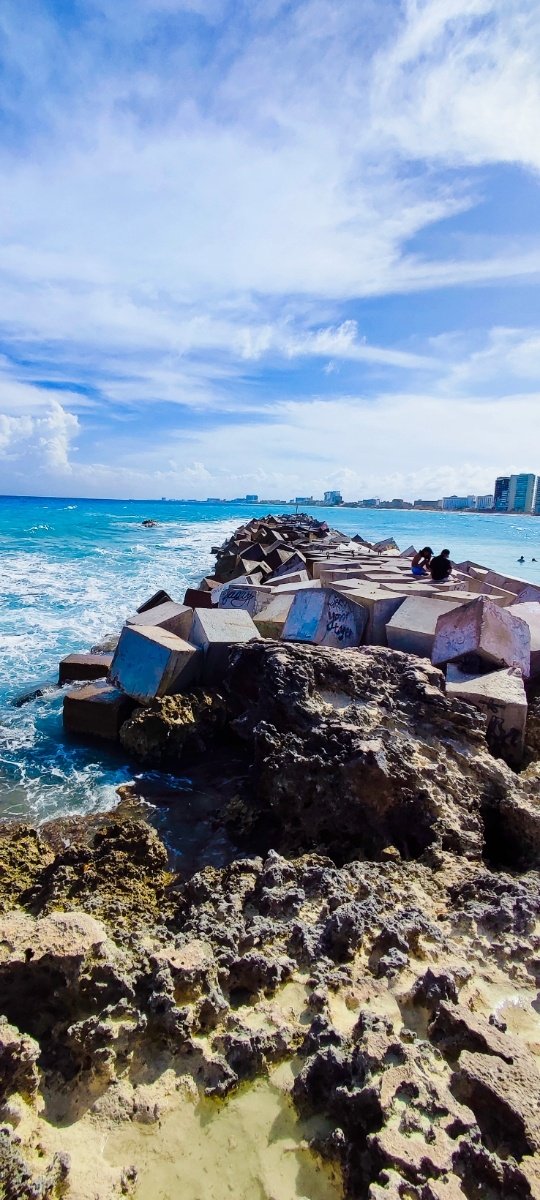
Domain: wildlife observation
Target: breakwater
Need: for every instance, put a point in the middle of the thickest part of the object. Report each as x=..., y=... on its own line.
x=352, y=1000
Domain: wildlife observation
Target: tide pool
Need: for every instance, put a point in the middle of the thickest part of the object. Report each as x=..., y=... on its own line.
x=72, y=570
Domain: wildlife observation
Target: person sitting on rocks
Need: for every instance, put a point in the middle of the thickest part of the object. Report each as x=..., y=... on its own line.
x=421, y=561
x=441, y=567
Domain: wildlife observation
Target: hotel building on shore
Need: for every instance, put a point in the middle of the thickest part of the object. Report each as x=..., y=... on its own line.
x=517, y=494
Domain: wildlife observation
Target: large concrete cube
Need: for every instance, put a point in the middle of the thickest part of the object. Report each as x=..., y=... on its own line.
x=380, y=607
x=96, y=710
x=412, y=627
x=481, y=629
x=529, y=594
x=84, y=666
x=531, y=614
x=160, y=597
x=215, y=631
x=271, y=620
x=151, y=662
x=246, y=596
x=324, y=617
x=176, y=618
x=501, y=696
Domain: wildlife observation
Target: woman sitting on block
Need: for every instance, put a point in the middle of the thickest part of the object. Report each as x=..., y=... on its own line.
x=421, y=561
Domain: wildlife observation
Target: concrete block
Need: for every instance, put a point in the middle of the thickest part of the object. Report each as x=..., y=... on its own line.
x=271, y=620
x=386, y=544
x=501, y=696
x=324, y=617
x=412, y=626
x=96, y=710
x=84, y=666
x=529, y=594
x=380, y=607
x=409, y=552
x=159, y=597
x=215, y=631
x=176, y=618
x=196, y=598
x=296, y=562
x=481, y=629
x=531, y=614
x=296, y=586
x=290, y=577
x=151, y=662
x=247, y=597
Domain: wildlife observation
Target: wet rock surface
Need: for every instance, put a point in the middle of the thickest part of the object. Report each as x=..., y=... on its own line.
x=402, y=994
x=380, y=954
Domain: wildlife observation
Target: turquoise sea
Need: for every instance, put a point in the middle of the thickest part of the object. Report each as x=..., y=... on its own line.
x=72, y=570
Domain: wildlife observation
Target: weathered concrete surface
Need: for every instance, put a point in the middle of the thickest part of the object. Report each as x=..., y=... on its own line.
x=176, y=618
x=530, y=613
x=83, y=666
x=324, y=617
x=215, y=631
x=159, y=597
x=96, y=710
x=197, y=598
x=150, y=662
x=412, y=627
x=252, y=599
x=501, y=696
x=270, y=622
x=481, y=629
x=380, y=607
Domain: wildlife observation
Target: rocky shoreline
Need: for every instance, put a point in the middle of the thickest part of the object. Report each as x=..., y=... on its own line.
x=350, y=1009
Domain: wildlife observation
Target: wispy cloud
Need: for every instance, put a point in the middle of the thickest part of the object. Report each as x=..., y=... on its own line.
x=206, y=205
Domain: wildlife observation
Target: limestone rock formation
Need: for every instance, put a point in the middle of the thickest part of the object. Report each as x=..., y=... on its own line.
x=357, y=752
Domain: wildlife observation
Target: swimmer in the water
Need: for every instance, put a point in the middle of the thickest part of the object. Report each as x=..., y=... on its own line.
x=521, y=559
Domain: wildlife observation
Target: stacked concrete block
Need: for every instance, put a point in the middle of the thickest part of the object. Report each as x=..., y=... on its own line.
x=486, y=632
x=380, y=607
x=84, y=666
x=529, y=594
x=296, y=562
x=530, y=613
x=159, y=597
x=412, y=626
x=176, y=618
x=270, y=622
x=324, y=617
x=215, y=631
x=152, y=662
x=501, y=696
x=197, y=598
x=297, y=585
x=289, y=577
x=245, y=596
x=96, y=710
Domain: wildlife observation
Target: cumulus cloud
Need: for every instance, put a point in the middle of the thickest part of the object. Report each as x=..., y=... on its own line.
x=43, y=441
x=202, y=197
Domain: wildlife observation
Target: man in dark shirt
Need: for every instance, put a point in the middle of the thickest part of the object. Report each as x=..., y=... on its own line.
x=441, y=567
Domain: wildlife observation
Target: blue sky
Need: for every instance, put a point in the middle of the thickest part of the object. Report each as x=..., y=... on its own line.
x=270, y=246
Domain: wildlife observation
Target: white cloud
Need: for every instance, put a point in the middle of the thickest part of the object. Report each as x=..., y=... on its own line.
x=204, y=190
x=42, y=442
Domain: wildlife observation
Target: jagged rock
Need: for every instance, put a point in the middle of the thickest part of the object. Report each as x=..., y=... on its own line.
x=355, y=751
x=174, y=725
x=18, y=1058
x=505, y=1098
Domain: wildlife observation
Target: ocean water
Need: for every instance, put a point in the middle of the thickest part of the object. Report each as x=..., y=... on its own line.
x=72, y=570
